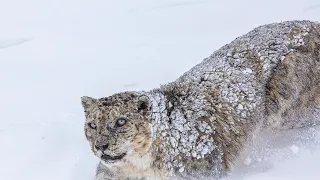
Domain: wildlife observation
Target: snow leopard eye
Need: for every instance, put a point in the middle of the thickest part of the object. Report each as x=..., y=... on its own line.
x=92, y=125
x=121, y=122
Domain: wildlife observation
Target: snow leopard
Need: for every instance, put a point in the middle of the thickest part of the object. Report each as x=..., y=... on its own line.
x=198, y=126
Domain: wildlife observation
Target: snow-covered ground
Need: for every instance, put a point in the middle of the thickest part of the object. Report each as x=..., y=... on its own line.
x=54, y=52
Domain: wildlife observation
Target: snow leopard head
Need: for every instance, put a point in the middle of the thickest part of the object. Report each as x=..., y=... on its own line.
x=118, y=127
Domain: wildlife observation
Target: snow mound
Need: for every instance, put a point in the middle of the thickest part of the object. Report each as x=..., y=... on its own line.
x=12, y=42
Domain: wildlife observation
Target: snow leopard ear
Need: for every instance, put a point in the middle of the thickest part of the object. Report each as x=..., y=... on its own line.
x=143, y=103
x=87, y=101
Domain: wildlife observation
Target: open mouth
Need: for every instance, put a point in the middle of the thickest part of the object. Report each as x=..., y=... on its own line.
x=108, y=158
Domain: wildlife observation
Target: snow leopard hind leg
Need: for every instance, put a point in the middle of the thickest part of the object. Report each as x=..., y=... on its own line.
x=293, y=91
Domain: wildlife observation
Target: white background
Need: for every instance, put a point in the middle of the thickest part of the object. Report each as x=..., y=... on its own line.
x=52, y=52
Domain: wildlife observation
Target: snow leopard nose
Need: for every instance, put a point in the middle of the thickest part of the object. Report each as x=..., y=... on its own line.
x=102, y=147
x=101, y=144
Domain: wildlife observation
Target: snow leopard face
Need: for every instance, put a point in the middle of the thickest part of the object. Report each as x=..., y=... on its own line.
x=118, y=127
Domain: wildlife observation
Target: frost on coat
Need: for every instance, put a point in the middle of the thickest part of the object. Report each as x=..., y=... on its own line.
x=268, y=79
x=204, y=119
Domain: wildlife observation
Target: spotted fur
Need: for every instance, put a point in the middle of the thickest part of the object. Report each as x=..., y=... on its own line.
x=199, y=125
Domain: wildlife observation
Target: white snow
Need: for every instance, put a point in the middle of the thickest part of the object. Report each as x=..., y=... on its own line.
x=247, y=161
x=4, y=43
x=295, y=149
x=54, y=52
